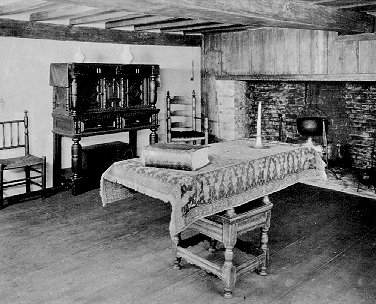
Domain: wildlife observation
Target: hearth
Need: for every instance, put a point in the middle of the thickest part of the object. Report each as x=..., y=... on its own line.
x=312, y=120
x=348, y=107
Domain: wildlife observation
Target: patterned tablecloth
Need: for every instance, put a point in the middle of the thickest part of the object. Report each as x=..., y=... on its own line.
x=237, y=173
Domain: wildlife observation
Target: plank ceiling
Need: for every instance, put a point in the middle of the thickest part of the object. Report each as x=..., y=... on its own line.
x=195, y=17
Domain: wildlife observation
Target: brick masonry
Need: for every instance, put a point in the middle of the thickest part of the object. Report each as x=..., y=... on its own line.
x=349, y=107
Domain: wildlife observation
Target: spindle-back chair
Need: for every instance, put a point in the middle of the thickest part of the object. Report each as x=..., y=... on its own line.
x=183, y=124
x=14, y=135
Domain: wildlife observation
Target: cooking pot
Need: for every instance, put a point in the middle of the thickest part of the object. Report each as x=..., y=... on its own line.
x=311, y=125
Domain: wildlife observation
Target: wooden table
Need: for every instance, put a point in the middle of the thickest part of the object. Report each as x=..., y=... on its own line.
x=226, y=227
x=237, y=174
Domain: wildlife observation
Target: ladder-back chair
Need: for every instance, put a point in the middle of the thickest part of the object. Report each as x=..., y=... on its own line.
x=14, y=134
x=183, y=124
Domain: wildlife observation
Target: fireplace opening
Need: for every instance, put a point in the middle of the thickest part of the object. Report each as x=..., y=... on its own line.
x=349, y=107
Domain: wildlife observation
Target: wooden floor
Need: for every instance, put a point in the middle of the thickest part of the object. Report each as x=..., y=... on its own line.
x=69, y=249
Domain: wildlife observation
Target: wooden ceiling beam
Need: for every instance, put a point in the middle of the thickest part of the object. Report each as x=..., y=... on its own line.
x=291, y=13
x=136, y=21
x=102, y=16
x=170, y=24
x=318, y=1
x=358, y=37
x=197, y=27
x=27, y=7
x=218, y=29
x=231, y=19
x=356, y=5
x=39, y=30
x=345, y=3
x=58, y=13
x=301, y=77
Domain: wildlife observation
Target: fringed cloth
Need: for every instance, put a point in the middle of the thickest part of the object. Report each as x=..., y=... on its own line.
x=237, y=174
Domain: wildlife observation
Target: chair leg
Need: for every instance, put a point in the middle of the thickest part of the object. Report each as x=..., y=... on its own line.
x=44, y=177
x=27, y=177
x=1, y=186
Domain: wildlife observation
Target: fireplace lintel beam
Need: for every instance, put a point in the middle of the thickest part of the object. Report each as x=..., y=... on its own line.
x=303, y=77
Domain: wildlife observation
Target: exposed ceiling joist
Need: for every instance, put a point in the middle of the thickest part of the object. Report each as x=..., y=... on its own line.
x=344, y=3
x=197, y=27
x=272, y=12
x=66, y=11
x=170, y=24
x=99, y=15
x=27, y=6
x=136, y=21
x=356, y=5
x=191, y=17
x=218, y=28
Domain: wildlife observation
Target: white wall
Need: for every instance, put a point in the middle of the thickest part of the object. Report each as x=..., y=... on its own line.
x=24, y=84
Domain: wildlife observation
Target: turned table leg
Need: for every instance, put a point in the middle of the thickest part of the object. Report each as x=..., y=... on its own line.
x=177, y=263
x=229, y=273
x=265, y=239
x=228, y=269
x=264, y=248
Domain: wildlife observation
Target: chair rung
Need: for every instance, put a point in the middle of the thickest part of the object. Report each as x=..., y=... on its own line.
x=22, y=183
x=14, y=183
x=21, y=179
x=180, y=100
x=11, y=121
x=11, y=147
x=19, y=182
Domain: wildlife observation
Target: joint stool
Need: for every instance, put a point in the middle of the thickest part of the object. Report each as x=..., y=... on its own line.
x=225, y=228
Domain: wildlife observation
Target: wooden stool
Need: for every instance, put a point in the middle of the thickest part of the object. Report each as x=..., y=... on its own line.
x=226, y=227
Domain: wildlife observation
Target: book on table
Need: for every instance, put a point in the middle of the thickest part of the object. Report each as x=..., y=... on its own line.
x=175, y=156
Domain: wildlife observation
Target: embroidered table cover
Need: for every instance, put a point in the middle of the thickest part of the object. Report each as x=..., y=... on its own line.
x=237, y=173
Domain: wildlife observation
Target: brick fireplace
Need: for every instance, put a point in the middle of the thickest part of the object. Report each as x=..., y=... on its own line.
x=350, y=108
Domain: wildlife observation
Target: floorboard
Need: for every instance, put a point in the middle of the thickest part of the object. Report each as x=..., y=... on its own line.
x=348, y=278
x=69, y=249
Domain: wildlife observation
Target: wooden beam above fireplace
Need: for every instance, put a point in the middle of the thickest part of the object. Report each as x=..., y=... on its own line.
x=311, y=77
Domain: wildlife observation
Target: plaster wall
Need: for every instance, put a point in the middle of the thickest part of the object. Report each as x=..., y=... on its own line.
x=24, y=84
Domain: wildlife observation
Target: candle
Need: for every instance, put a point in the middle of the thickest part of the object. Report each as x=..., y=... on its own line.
x=259, y=120
x=258, y=143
